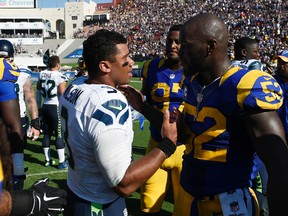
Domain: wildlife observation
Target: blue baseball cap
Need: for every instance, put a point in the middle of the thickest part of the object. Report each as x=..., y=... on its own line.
x=283, y=55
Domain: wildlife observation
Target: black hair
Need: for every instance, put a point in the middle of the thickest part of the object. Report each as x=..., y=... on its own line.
x=101, y=46
x=176, y=27
x=243, y=43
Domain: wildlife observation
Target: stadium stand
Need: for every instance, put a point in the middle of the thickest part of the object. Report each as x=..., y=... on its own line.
x=146, y=22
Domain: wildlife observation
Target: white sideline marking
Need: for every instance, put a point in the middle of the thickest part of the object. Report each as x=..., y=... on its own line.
x=46, y=173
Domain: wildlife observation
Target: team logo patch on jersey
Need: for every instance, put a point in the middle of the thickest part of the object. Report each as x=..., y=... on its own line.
x=112, y=111
x=115, y=105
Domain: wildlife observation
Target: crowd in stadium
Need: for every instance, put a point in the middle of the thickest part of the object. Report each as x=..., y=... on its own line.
x=146, y=22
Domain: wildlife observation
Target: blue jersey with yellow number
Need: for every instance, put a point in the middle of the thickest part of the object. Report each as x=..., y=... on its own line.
x=163, y=89
x=219, y=153
x=9, y=74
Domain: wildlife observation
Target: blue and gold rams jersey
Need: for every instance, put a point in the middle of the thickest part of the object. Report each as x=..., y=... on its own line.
x=8, y=71
x=163, y=88
x=9, y=74
x=219, y=153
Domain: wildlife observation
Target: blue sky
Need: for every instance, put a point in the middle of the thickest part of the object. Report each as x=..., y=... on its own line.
x=60, y=3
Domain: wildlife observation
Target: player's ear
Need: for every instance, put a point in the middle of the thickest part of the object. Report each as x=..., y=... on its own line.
x=211, y=46
x=243, y=52
x=105, y=66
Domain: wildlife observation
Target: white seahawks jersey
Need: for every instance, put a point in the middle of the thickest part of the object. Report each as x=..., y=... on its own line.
x=251, y=64
x=25, y=74
x=97, y=125
x=49, y=82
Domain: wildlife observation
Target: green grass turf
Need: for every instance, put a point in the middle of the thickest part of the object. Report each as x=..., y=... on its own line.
x=34, y=160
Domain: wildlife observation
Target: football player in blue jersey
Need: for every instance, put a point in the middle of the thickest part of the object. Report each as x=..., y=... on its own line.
x=247, y=56
x=229, y=114
x=162, y=80
x=22, y=202
x=246, y=52
x=10, y=72
x=98, y=131
x=22, y=86
x=81, y=68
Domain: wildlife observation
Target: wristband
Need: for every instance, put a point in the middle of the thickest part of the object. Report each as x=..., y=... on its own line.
x=167, y=146
x=36, y=124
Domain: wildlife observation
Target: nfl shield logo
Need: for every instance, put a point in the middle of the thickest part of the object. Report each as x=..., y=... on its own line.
x=234, y=207
x=172, y=76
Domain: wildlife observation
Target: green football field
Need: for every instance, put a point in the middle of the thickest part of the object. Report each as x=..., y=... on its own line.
x=34, y=160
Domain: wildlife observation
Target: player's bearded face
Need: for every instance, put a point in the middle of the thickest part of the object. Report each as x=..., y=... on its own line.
x=173, y=46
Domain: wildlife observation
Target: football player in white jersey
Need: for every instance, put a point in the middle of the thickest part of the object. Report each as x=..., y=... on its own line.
x=27, y=100
x=98, y=131
x=246, y=52
x=26, y=96
x=52, y=84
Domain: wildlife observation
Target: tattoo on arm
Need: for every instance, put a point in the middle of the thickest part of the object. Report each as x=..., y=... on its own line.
x=30, y=99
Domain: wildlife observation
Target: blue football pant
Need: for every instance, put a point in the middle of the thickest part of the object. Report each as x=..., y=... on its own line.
x=52, y=125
